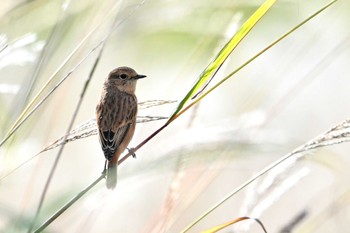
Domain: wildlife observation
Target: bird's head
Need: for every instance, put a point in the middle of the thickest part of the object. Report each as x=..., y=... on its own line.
x=124, y=78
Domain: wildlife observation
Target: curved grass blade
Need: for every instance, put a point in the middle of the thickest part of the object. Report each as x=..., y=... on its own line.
x=26, y=111
x=222, y=226
x=181, y=111
x=298, y=150
x=225, y=52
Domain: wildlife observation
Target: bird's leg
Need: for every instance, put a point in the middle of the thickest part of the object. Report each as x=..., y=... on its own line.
x=104, y=168
x=131, y=150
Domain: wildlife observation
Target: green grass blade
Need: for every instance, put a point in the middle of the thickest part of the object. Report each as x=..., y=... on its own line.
x=31, y=105
x=273, y=165
x=225, y=52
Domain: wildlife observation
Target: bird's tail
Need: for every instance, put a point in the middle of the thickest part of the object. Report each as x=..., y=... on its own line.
x=111, y=181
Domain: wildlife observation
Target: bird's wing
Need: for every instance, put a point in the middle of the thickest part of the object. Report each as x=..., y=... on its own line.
x=110, y=141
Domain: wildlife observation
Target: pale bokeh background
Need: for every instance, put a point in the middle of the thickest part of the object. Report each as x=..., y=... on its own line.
x=292, y=93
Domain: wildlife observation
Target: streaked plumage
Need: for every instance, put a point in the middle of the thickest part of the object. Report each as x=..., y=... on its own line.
x=116, y=117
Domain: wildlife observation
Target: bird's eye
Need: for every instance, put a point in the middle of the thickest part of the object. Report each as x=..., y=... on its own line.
x=123, y=76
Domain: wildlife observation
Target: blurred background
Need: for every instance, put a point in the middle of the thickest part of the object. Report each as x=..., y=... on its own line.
x=289, y=95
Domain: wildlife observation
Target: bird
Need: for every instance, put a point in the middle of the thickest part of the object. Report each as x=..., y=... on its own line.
x=116, y=117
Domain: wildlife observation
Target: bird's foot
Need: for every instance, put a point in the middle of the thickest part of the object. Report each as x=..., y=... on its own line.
x=131, y=150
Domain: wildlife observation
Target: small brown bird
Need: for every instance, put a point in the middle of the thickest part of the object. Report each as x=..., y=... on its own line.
x=116, y=117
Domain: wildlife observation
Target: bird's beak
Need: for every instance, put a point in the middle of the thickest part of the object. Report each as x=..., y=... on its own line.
x=140, y=76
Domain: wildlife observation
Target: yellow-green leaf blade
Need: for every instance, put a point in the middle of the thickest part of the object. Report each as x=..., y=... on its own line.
x=225, y=52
